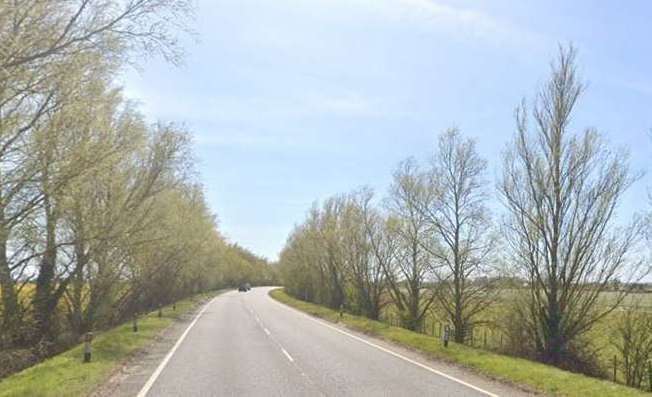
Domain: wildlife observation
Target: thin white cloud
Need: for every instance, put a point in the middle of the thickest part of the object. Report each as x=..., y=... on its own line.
x=446, y=13
x=459, y=21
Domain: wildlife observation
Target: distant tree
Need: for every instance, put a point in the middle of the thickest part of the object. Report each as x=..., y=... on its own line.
x=297, y=264
x=318, y=247
x=561, y=191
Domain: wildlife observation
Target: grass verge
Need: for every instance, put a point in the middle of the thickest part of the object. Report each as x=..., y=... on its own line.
x=524, y=373
x=66, y=375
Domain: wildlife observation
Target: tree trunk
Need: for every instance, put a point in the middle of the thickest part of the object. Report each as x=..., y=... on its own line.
x=11, y=310
x=554, y=341
x=412, y=322
x=45, y=301
x=460, y=325
x=77, y=315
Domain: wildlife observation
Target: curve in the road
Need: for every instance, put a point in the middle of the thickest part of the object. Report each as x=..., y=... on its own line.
x=249, y=344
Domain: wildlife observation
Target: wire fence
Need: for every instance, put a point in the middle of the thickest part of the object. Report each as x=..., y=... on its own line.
x=480, y=335
x=492, y=338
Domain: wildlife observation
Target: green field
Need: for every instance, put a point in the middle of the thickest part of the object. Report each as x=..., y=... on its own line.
x=489, y=333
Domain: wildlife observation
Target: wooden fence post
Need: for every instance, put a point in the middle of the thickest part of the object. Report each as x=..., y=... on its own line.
x=88, y=338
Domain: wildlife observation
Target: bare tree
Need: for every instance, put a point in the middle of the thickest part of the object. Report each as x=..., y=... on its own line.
x=411, y=268
x=561, y=191
x=459, y=226
x=632, y=338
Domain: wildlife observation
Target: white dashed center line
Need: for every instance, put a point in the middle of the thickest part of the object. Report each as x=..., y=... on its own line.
x=287, y=355
x=260, y=323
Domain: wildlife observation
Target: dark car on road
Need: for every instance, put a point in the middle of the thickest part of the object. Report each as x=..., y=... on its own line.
x=244, y=287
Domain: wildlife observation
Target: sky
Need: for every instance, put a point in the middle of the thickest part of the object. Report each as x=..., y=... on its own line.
x=293, y=101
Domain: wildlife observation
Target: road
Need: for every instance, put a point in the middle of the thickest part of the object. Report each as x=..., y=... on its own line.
x=247, y=344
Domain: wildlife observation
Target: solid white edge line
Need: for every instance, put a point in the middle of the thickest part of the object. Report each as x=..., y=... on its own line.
x=267, y=331
x=393, y=353
x=287, y=355
x=150, y=382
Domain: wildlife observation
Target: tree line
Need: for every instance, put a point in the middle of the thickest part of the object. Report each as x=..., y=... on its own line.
x=432, y=244
x=102, y=216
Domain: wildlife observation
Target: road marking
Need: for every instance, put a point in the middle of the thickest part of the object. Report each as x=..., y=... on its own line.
x=287, y=355
x=150, y=382
x=393, y=353
x=273, y=339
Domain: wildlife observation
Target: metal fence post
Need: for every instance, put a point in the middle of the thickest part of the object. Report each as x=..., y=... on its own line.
x=615, y=366
x=446, y=335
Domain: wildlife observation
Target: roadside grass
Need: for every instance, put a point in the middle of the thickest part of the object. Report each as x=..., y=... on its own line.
x=522, y=373
x=490, y=332
x=66, y=374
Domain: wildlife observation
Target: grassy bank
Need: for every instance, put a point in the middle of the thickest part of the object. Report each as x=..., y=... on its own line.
x=66, y=375
x=531, y=375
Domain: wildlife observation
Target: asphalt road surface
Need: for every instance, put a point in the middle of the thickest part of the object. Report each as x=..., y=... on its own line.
x=247, y=344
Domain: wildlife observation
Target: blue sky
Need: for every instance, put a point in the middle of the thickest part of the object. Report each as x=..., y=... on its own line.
x=292, y=101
